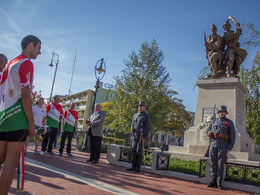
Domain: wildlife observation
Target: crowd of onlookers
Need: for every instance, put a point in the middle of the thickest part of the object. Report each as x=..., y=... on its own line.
x=176, y=142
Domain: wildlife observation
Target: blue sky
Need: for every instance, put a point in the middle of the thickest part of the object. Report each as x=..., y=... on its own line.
x=112, y=29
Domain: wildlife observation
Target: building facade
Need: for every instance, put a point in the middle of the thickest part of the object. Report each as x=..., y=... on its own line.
x=84, y=103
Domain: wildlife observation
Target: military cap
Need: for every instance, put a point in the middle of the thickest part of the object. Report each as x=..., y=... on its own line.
x=222, y=108
x=142, y=103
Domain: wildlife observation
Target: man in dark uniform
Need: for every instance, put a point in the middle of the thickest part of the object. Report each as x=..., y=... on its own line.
x=140, y=128
x=222, y=139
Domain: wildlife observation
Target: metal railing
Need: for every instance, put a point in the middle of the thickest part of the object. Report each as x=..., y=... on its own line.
x=203, y=167
x=147, y=159
x=245, y=174
x=125, y=154
x=257, y=149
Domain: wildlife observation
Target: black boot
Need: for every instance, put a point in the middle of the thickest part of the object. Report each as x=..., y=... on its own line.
x=213, y=183
x=138, y=163
x=133, y=164
x=137, y=169
x=219, y=184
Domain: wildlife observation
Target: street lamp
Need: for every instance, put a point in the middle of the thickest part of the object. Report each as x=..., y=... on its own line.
x=100, y=71
x=55, y=60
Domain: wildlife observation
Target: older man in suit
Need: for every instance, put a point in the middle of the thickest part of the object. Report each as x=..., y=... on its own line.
x=95, y=132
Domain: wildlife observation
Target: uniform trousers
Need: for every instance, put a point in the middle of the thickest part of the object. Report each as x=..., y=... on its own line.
x=218, y=157
x=66, y=134
x=48, y=139
x=137, y=150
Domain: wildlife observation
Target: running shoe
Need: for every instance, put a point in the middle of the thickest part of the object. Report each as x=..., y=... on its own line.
x=25, y=152
x=69, y=155
x=60, y=154
x=50, y=153
x=43, y=153
x=36, y=152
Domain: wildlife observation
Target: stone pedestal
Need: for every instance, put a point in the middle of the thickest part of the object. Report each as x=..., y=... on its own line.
x=231, y=93
x=224, y=91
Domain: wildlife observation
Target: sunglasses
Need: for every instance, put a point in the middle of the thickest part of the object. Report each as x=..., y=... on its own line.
x=140, y=105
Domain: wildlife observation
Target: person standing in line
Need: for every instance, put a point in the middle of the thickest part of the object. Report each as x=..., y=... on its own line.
x=181, y=139
x=39, y=115
x=171, y=139
x=3, y=62
x=20, y=166
x=222, y=139
x=16, y=118
x=68, y=126
x=140, y=128
x=54, y=111
x=58, y=134
x=95, y=131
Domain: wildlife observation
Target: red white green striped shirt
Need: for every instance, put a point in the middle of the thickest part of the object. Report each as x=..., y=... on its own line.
x=16, y=75
x=54, y=111
x=70, y=116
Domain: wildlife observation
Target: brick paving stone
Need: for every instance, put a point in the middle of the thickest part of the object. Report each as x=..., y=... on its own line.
x=40, y=181
x=46, y=182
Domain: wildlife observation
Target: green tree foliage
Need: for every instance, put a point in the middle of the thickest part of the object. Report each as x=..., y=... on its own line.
x=252, y=36
x=251, y=78
x=107, y=109
x=145, y=78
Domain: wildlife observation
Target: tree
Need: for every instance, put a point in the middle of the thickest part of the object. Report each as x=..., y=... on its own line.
x=178, y=118
x=144, y=78
x=106, y=108
x=251, y=78
x=252, y=36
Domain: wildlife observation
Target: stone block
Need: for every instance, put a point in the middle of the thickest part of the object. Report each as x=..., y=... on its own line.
x=113, y=153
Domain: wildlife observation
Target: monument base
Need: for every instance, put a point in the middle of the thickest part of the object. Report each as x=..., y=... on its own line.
x=230, y=92
x=222, y=91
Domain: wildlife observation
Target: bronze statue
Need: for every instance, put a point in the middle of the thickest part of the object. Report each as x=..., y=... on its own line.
x=229, y=60
x=214, y=52
x=234, y=55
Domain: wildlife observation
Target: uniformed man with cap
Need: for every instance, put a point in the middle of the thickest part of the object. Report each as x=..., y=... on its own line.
x=222, y=139
x=140, y=128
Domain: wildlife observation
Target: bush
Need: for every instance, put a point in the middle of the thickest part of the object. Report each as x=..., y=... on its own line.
x=80, y=141
x=107, y=140
x=111, y=140
x=257, y=139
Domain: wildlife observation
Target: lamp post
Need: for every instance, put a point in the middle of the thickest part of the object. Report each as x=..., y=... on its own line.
x=99, y=74
x=55, y=60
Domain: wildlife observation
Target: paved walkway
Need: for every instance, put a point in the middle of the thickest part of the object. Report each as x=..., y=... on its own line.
x=62, y=175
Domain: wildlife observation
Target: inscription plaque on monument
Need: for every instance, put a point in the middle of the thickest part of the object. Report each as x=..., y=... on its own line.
x=207, y=112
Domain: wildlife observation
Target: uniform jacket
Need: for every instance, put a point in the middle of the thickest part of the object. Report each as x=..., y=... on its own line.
x=98, y=122
x=223, y=126
x=141, y=120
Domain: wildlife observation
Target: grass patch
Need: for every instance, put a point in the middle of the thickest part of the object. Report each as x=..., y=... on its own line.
x=184, y=166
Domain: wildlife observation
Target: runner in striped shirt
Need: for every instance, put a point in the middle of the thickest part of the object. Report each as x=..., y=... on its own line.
x=54, y=111
x=3, y=62
x=68, y=126
x=16, y=119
